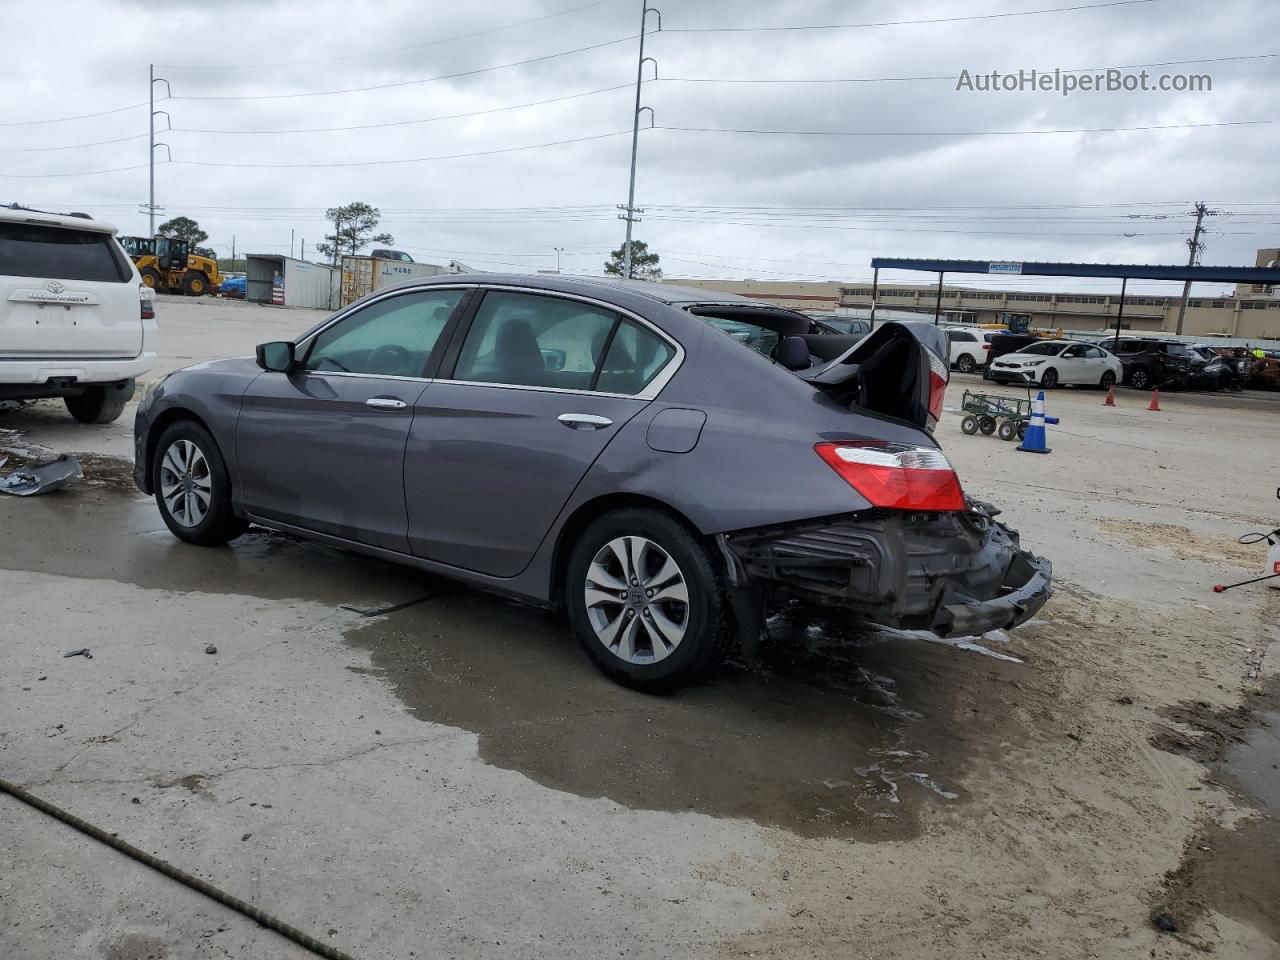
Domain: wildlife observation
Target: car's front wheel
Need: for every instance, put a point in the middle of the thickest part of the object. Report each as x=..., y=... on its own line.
x=193, y=488
x=1139, y=380
x=1049, y=379
x=647, y=600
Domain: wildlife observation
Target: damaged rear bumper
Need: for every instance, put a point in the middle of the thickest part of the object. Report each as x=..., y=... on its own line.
x=952, y=573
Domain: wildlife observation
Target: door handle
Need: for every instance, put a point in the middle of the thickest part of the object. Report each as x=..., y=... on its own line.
x=584, y=421
x=385, y=403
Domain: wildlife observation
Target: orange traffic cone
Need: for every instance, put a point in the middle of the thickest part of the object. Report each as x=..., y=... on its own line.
x=1111, y=396
x=1155, y=399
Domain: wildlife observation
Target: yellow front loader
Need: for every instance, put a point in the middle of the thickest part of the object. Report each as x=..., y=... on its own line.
x=168, y=265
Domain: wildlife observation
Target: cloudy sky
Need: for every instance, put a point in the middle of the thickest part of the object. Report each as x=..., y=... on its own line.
x=494, y=131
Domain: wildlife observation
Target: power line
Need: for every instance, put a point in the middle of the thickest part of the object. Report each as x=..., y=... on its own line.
x=402, y=123
x=82, y=116
x=372, y=53
x=962, y=133
x=409, y=83
x=903, y=23
x=73, y=146
x=64, y=90
x=380, y=163
x=803, y=80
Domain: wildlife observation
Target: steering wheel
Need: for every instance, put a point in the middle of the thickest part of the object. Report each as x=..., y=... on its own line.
x=393, y=360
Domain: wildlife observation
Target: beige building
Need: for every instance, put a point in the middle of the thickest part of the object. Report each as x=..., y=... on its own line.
x=1252, y=311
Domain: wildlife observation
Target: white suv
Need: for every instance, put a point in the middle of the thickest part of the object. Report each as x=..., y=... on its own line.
x=75, y=319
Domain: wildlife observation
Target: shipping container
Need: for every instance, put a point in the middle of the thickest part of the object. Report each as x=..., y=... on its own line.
x=363, y=275
x=272, y=278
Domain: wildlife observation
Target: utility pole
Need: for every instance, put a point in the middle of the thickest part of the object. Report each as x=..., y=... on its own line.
x=233, y=251
x=1196, y=248
x=291, y=243
x=630, y=210
x=302, y=255
x=151, y=140
x=558, y=250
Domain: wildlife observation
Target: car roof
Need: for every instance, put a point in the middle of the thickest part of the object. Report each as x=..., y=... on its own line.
x=668, y=293
x=12, y=213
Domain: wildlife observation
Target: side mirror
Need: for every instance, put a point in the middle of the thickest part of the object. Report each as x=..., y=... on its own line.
x=277, y=356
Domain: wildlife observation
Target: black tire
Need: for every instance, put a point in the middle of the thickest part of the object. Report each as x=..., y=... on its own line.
x=195, y=283
x=1008, y=430
x=1049, y=379
x=965, y=364
x=1139, y=379
x=1108, y=380
x=1022, y=429
x=100, y=404
x=707, y=621
x=969, y=425
x=987, y=425
x=219, y=524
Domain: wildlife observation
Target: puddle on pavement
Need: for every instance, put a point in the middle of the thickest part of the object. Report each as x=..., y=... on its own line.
x=832, y=735
x=1232, y=871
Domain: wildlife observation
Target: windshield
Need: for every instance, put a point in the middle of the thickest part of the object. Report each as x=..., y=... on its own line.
x=1043, y=349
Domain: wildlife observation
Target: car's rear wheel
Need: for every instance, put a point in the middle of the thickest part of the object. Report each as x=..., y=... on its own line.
x=192, y=486
x=647, y=600
x=1139, y=380
x=1049, y=379
x=1108, y=380
x=100, y=404
x=965, y=363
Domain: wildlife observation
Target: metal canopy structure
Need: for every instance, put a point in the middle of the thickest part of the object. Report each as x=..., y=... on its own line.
x=1124, y=272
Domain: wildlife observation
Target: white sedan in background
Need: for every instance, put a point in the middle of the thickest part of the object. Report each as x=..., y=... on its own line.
x=1050, y=363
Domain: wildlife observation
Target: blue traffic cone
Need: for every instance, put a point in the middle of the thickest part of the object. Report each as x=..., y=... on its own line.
x=1036, y=440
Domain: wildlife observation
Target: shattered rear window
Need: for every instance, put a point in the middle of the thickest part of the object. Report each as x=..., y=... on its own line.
x=760, y=339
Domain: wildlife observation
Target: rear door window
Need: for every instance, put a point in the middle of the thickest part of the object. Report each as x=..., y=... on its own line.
x=55, y=253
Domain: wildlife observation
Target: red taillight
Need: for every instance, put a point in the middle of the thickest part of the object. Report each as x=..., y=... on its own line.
x=896, y=476
x=146, y=302
x=939, y=373
x=986, y=346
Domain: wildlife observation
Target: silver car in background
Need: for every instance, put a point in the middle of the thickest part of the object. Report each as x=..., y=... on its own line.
x=665, y=464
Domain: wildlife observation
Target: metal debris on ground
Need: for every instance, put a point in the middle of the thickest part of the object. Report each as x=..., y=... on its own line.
x=82, y=652
x=37, y=478
x=211, y=649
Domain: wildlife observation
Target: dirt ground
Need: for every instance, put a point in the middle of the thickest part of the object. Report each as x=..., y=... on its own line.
x=409, y=768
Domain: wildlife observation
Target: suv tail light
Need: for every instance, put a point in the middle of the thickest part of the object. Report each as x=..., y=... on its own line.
x=986, y=346
x=147, y=302
x=897, y=476
x=939, y=374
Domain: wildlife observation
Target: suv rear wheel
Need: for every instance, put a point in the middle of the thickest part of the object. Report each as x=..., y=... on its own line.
x=102, y=403
x=965, y=363
x=647, y=600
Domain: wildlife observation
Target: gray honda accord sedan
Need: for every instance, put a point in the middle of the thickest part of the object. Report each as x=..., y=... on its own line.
x=666, y=464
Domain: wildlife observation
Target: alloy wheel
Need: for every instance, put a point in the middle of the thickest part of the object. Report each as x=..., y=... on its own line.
x=185, y=483
x=637, y=600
